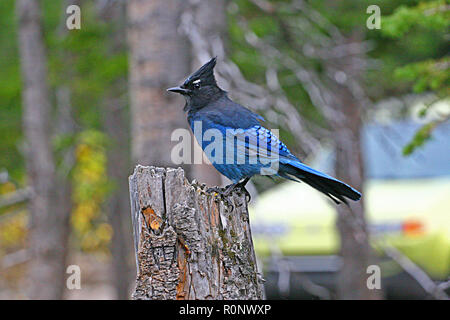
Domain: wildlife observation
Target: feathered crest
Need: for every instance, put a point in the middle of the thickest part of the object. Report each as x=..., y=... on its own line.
x=205, y=73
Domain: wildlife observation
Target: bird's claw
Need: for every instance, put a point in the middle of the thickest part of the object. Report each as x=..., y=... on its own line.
x=222, y=195
x=248, y=197
x=241, y=188
x=214, y=190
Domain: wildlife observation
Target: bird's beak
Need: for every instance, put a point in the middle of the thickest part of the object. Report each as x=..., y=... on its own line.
x=179, y=90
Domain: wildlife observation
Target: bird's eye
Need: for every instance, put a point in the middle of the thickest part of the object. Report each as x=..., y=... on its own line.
x=196, y=84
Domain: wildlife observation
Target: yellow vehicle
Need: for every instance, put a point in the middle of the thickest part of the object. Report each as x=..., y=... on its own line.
x=407, y=207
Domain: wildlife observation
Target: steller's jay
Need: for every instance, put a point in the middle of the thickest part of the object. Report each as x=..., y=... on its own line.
x=238, y=146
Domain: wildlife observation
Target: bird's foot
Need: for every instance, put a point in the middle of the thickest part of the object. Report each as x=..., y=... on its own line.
x=214, y=190
x=222, y=194
x=241, y=187
x=248, y=197
x=229, y=189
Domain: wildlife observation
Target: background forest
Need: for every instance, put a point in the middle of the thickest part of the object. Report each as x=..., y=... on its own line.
x=80, y=108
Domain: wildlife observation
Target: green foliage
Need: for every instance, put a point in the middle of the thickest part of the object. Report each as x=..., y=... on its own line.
x=91, y=187
x=432, y=15
x=417, y=21
x=419, y=139
x=10, y=114
x=427, y=75
x=431, y=73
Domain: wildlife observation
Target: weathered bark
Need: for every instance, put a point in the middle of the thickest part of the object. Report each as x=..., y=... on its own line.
x=159, y=58
x=47, y=244
x=188, y=245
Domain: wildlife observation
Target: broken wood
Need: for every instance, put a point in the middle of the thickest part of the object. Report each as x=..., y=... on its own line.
x=189, y=244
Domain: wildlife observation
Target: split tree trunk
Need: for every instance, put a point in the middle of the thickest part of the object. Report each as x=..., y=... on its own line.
x=188, y=244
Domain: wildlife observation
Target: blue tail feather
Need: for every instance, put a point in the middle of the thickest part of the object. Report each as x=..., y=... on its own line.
x=333, y=188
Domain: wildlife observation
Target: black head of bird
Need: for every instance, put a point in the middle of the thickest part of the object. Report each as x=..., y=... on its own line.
x=200, y=88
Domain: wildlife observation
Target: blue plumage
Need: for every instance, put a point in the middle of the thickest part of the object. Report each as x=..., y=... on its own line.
x=238, y=145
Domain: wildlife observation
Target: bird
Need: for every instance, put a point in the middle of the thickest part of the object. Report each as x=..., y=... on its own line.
x=241, y=146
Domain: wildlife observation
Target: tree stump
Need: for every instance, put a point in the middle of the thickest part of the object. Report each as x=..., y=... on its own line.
x=189, y=244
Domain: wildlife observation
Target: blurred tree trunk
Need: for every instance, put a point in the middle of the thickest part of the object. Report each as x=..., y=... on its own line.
x=118, y=205
x=212, y=25
x=159, y=58
x=351, y=222
x=47, y=232
x=116, y=126
x=349, y=167
x=65, y=128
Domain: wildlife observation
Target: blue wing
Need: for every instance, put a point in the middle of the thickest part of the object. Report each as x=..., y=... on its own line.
x=249, y=149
